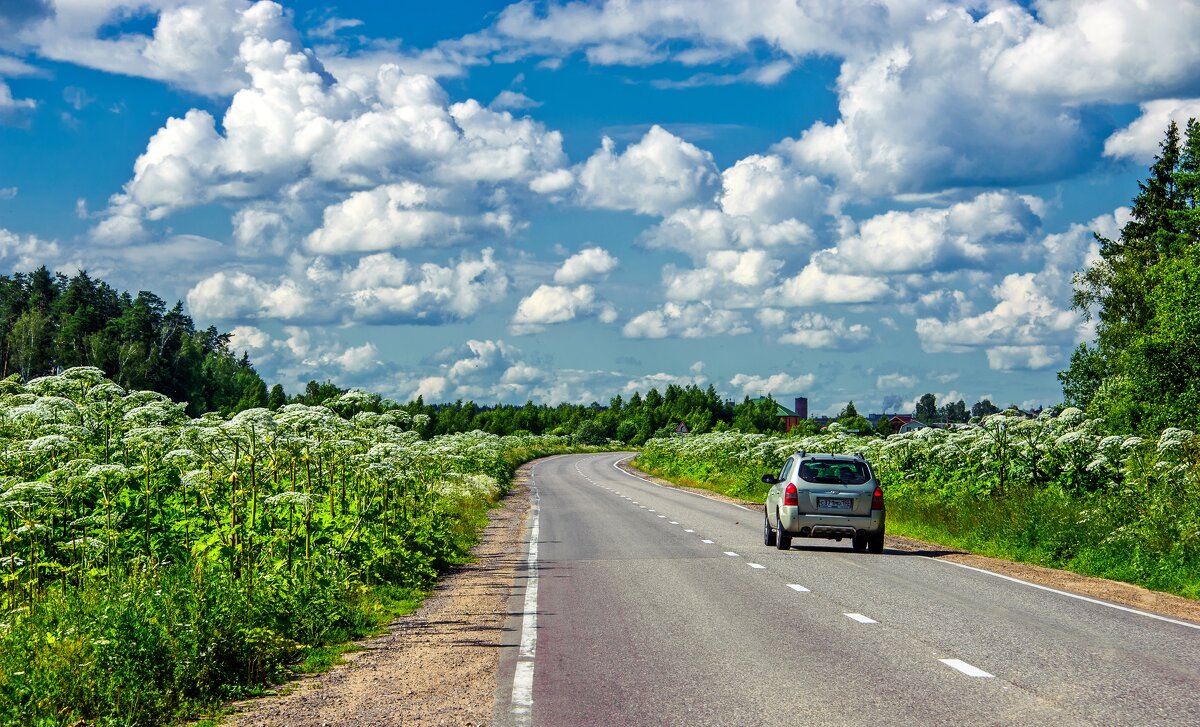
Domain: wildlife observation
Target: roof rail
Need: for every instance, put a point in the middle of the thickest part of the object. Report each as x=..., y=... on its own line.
x=801, y=453
x=859, y=455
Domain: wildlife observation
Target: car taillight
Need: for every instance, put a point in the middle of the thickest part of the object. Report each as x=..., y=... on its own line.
x=877, y=499
x=789, y=495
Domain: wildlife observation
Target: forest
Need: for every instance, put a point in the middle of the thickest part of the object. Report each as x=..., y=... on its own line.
x=49, y=322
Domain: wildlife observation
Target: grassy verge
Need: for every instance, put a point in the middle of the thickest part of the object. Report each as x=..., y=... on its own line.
x=163, y=642
x=1097, y=534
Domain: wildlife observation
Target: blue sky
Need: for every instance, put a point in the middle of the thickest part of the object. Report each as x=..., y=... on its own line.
x=862, y=201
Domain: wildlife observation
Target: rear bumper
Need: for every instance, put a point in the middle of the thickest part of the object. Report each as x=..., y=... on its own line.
x=829, y=526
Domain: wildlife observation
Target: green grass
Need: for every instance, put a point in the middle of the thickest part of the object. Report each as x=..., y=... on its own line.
x=1078, y=532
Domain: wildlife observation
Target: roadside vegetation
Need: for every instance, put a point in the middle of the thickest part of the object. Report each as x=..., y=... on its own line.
x=152, y=564
x=1056, y=491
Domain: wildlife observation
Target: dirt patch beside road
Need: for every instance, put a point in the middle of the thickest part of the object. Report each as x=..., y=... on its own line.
x=1125, y=594
x=436, y=666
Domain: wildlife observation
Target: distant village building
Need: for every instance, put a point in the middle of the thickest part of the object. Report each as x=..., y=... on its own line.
x=790, y=418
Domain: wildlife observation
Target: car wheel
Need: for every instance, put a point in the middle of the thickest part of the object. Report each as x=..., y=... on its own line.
x=768, y=533
x=860, y=541
x=783, y=539
x=875, y=543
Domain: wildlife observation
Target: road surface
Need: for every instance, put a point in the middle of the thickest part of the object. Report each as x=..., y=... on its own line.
x=646, y=605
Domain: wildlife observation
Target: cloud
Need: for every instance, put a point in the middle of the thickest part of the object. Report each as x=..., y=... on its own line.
x=296, y=138
x=657, y=175
x=592, y=263
x=896, y=381
x=384, y=290
x=333, y=26
x=239, y=296
x=379, y=289
x=735, y=278
x=1105, y=50
x=974, y=234
x=921, y=114
x=16, y=15
x=819, y=282
x=550, y=304
x=78, y=98
x=14, y=111
x=1140, y=140
x=781, y=383
x=394, y=216
x=765, y=75
x=513, y=101
x=711, y=32
x=814, y=330
x=694, y=320
x=764, y=189
x=195, y=46
x=26, y=252
x=1032, y=324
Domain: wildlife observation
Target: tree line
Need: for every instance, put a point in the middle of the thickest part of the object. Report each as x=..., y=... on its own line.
x=1142, y=372
x=49, y=322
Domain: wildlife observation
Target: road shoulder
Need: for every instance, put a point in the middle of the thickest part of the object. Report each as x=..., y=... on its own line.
x=436, y=666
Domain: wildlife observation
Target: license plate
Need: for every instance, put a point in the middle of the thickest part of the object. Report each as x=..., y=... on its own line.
x=833, y=503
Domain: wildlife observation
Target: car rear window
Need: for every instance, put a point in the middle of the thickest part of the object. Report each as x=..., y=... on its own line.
x=835, y=472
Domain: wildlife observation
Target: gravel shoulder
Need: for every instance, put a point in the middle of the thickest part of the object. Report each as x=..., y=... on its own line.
x=438, y=665
x=1125, y=594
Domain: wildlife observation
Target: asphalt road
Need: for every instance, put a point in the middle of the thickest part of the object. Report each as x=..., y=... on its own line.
x=645, y=605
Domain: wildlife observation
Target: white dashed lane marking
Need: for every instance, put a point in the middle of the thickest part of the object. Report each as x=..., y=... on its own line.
x=731, y=554
x=689, y=531
x=965, y=668
x=756, y=565
x=707, y=541
x=861, y=618
x=798, y=588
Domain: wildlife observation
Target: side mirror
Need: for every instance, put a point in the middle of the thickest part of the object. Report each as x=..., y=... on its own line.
x=770, y=479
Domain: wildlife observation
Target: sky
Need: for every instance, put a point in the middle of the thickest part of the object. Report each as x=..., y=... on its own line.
x=848, y=200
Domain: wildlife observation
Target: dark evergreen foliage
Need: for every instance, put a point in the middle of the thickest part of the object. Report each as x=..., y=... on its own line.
x=50, y=322
x=1142, y=373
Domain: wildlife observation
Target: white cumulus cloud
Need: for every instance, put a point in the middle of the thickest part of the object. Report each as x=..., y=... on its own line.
x=658, y=174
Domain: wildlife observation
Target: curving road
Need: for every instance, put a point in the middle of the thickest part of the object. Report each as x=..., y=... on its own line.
x=645, y=605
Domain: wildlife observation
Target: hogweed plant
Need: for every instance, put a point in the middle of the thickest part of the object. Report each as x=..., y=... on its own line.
x=118, y=514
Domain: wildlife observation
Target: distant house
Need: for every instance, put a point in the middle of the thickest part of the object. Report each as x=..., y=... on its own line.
x=789, y=417
x=912, y=425
x=899, y=420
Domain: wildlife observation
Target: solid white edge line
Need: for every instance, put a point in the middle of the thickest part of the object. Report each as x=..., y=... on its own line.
x=861, y=618
x=1076, y=596
x=798, y=588
x=676, y=489
x=522, y=691
x=965, y=668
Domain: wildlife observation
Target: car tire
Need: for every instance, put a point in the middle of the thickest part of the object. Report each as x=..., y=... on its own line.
x=783, y=539
x=875, y=543
x=860, y=541
x=768, y=533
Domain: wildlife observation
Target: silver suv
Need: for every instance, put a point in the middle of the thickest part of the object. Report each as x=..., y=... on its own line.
x=830, y=496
